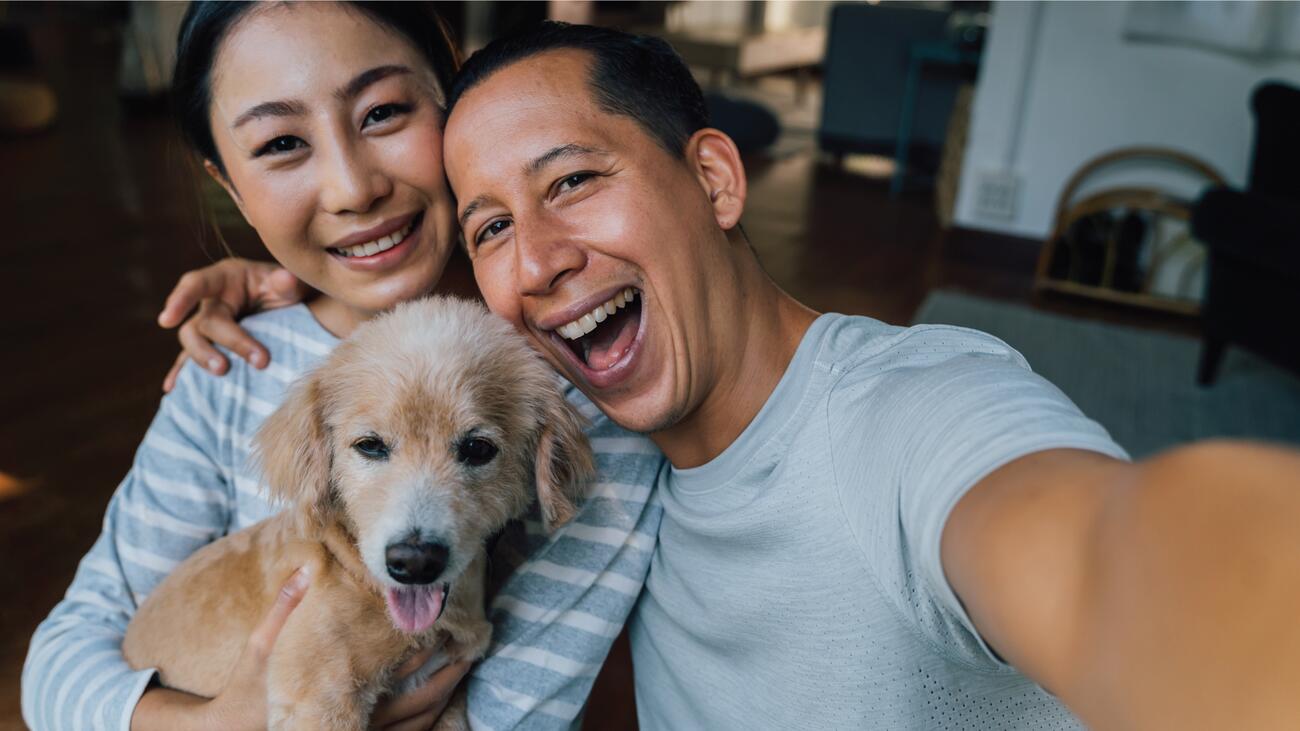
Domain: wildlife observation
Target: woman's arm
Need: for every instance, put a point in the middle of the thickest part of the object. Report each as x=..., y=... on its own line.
x=174, y=500
x=559, y=613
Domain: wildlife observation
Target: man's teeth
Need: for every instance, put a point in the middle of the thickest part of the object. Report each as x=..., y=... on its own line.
x=384, y=243
x=589, y=321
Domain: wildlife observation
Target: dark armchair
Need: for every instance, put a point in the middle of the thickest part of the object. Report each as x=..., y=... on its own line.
x=1252, y=294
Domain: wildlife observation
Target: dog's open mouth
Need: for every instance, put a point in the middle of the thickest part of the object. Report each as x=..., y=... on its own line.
x=414, y=609
x=602, y=337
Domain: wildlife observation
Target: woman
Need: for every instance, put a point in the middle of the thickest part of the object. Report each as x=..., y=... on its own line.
x=323, y=123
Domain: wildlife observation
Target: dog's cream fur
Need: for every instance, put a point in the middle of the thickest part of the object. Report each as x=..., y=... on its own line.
x=421, y=378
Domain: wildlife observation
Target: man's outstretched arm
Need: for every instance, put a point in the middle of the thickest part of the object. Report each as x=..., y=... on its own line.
x=1159, y=594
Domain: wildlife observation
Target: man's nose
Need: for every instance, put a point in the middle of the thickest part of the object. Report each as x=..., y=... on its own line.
x=545, y=254
x=350, y=181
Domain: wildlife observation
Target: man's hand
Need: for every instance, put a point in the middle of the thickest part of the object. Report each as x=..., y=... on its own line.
x=242, y=703
x=222, y=292
x=418, y=709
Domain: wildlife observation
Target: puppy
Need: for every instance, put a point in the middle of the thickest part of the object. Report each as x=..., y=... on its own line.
x=419, y=438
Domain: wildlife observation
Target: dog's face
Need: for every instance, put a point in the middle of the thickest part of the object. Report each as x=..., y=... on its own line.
x=423, y=434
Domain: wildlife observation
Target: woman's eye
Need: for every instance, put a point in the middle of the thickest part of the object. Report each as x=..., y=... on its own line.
x=476, y=451
x=280, y=145
x=573, y=181
x=371, y=448
x=384, y=112
x=492, y=229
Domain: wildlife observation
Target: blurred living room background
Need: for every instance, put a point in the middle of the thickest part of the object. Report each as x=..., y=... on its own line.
x=1111, y=187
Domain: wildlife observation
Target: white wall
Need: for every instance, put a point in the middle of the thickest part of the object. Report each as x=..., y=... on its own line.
x=1060, y=84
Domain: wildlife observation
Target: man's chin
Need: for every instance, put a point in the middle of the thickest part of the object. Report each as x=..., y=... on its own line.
x=642, y=418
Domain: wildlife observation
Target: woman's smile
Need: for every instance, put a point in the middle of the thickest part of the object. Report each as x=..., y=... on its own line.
x=380, y=247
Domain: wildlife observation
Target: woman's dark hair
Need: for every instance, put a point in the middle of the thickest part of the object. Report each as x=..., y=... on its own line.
x=207, y=22
x=634, y=76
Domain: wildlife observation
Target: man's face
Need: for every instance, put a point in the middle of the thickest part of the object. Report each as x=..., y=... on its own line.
x=567, y=210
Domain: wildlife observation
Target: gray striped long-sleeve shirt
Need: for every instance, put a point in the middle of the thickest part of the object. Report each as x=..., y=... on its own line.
x=555, y=618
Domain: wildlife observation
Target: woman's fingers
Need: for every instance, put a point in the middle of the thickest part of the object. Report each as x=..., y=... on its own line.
x=421, y=722
x=216, y=324
x=431, y=697
x=263, y=637
x=415, y=662
x=170, y=381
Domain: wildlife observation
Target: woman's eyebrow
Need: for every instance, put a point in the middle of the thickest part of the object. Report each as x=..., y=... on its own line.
x=366, y=78
x=293, y=107
x=270, y=109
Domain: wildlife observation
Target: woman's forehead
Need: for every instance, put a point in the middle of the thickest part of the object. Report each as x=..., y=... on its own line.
x=304, y=51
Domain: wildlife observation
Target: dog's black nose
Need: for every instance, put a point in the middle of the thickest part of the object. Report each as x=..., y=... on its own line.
x=416, y=563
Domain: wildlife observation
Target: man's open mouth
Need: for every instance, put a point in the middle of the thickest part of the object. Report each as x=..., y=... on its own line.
x=415, y=608
x=602, y=337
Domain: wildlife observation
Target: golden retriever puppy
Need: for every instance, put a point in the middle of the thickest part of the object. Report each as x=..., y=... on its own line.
x=418, y=439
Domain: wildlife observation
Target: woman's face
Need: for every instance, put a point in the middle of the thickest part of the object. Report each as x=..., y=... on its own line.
x=330, y=131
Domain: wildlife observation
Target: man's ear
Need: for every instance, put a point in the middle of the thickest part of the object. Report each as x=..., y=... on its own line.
x=292, y=448
x=215, y=173
x=721, y=173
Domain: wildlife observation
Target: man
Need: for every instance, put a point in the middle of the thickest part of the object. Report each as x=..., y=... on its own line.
x=864, y=526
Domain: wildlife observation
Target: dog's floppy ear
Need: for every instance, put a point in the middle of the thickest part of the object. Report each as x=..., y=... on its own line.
x=564, y=463
x=292, y=447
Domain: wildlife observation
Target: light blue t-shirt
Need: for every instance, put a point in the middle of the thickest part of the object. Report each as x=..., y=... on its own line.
x=797, y=582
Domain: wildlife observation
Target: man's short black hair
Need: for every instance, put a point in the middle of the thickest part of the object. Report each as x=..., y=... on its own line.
x=635, y=76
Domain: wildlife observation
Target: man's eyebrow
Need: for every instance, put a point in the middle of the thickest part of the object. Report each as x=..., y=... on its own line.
x=533, y=167
x=270, y=109
x=556, y=153
x=366, y=78
x=473, y=206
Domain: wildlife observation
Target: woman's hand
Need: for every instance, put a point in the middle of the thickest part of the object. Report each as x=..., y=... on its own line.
x=242, y=703
x=418, y=709
x=223, y=291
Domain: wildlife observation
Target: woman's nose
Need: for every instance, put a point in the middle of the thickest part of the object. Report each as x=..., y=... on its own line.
x=351, y=183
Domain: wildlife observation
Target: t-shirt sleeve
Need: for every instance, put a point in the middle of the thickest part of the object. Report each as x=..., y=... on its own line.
x=967, y=406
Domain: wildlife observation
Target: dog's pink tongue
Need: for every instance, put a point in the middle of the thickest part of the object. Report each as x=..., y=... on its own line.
x=415, y=608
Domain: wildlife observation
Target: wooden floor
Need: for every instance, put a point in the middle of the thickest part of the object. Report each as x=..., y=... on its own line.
x=99, y=219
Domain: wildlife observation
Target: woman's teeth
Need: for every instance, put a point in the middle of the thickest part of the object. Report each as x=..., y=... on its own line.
x=380, y=244
x=589, y=321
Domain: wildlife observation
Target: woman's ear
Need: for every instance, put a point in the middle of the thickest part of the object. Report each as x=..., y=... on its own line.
x=293, y=450
x=721, y=173
x=565, y=464
x=215, y=173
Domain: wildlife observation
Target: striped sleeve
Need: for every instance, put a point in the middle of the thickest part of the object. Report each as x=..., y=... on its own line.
x=175, y=499
x=558, y=614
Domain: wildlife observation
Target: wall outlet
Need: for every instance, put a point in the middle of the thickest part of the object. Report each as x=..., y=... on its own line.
x=996, y=194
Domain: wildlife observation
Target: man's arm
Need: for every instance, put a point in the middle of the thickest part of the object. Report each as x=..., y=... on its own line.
x=1161, y=594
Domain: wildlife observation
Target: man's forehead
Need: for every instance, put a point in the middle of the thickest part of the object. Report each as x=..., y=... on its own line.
x=544, y=82
x=539, y=106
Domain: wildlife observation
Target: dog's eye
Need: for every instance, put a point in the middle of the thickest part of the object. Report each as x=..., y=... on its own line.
x=371, y=448
x=476, y=451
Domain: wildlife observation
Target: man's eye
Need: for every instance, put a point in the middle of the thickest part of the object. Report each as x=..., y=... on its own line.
x=492, y=229
x=371, y=448
x=573, y=181
x=385, y=112
x=280, y=145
